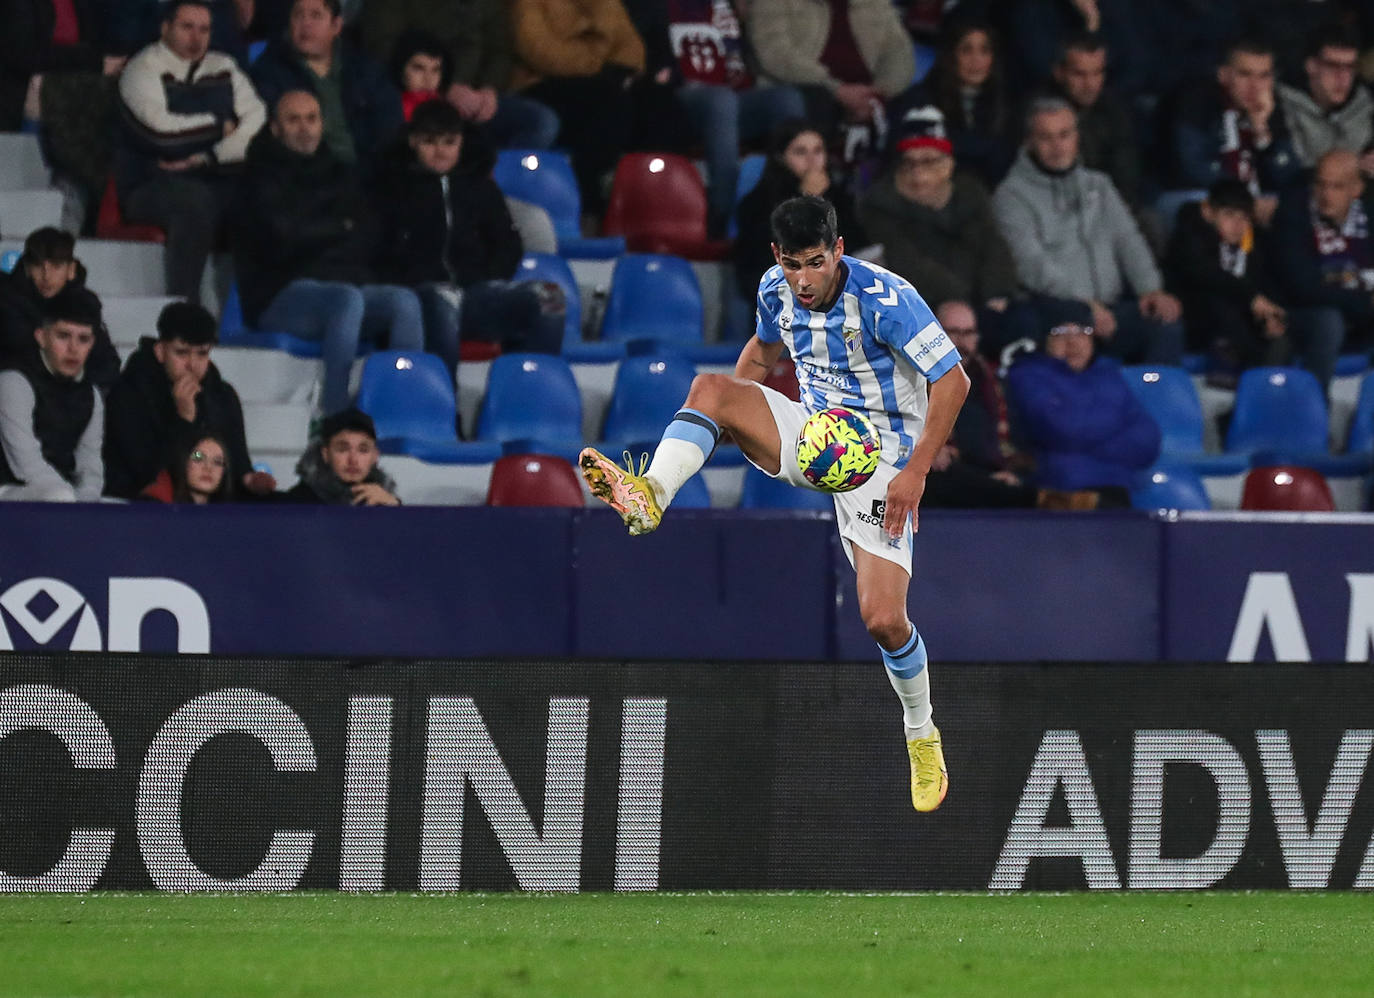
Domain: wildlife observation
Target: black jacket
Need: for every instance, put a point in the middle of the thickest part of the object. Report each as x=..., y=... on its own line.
x=1193, y=266
x=1299, y=268
x=144, y=432
x=62, y=409
x=26, y=48
x=20, y=315
x=298, y=216
x=460, y=235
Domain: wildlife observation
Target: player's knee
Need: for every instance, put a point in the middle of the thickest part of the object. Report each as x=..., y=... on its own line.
x=887, y=625
x=708, y=392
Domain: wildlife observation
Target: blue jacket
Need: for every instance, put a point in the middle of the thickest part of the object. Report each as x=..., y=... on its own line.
x=371, y=102
x=1087, y=430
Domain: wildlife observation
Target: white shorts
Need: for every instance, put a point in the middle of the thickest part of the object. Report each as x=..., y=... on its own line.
x=858, y=514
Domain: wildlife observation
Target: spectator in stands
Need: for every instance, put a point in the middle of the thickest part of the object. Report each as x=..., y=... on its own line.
x=361, y=108
x=168, y=397
x=1087, y=430
x=339, y=466
x=1335, y=110
x=474, y=40
x=1219, y=265
x=1106, y=135
x=848, y=57
x=937, y=230
x=1326, y=260
x=797, y=164
x=51, y=416
x=48, y=265
x=133, y=24
x=197, y=475
x=304, y=242
x=966, y=85
x=420, y=68
x=979, y=467
x=1236, y=130
x=708, y=63
x=581, y=58
x=1073, y=237
x=188, y=115
x=43, y=38
x=445, y=230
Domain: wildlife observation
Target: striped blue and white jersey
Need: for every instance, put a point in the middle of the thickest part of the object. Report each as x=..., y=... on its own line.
x=875, y=351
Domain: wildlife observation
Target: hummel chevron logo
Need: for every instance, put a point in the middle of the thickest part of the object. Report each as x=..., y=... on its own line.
x=878, y=288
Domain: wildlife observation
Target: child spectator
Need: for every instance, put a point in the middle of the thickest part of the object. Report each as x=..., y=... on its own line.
x=51, y=416
x=339, y=467
x=1217, y=263
x=445, y=230
x=420, y=69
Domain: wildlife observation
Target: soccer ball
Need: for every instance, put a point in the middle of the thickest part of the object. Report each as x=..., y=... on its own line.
x=837, y=450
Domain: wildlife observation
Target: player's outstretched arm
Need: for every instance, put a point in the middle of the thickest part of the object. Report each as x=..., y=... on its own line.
x=757, y=359
x=904, y=492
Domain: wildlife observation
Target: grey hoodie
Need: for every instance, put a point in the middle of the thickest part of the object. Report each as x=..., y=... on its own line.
x=1316, y=132
x=1072, y=235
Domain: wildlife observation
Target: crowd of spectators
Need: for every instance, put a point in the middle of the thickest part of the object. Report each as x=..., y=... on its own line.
x=1101, y=183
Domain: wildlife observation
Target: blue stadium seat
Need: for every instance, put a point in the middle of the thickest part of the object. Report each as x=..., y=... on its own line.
x=550, y=267
x=648, y=391
x=761, y=492
x=234, y=333
x=1169, y=487
x=750, y=170
x=1281, y=418
x=1361, y=439
x=531, y=397
x=9, y=260
x=410, y=398
x=1168, y=395
x=694, y=494
x=545, y=177
x=653, y=297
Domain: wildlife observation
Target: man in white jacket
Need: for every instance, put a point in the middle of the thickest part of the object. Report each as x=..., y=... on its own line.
x=187, y=117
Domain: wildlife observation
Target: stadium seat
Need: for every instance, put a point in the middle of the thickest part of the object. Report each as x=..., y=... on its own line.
x=694, y=494
x=534, y=397
x=1169, y=396
x=21, y=163
x=1287, y=487
x=409, y=395
x=23, y=211
x=535, y=480
x=1361, y=439
x=9, y=260
x=783, y=378
x=653, y=298
x=110, y=224
x=550, y=267
x=1166, y=487
x=761, y=492
x=658, y=203
x=750, y=170
x=545, y=177
x=234, y=333
x=1281, y=417
x=647, y=392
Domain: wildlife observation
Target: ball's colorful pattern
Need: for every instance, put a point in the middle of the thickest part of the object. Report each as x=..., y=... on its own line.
x=837, y=450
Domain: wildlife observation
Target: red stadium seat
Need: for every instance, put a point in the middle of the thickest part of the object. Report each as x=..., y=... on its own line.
x=534, y=480
x=658, y=203
x=110, y=224
x=1287, y=487
x=783, y=378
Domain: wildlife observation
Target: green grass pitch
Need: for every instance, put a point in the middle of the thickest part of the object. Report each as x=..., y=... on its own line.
x=733, y=944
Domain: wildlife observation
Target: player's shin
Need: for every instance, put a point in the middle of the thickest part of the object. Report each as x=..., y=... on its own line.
x=687, y=444
x=907, y=672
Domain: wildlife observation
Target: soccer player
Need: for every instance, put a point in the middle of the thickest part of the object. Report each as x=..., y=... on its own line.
x=862, y=338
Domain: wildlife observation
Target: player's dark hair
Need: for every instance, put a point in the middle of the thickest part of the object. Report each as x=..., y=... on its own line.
x=1229, y=192
x=171, y=9
x=49, y=245
x=801, y=223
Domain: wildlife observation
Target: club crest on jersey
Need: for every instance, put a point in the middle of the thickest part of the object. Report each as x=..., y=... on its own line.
x=851, y=337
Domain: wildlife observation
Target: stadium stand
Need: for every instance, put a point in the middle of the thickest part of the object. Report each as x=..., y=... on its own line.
x=110, y=223
x=658, y=203
x=410, y=397
x=761, y=492
x=531, y=397
x=653, y=297
x=535, y=480
x=648, y=391
x=1289, y=488
x=544, y=177
x=1169, y=395
x=21, y=162
x=1170, y=487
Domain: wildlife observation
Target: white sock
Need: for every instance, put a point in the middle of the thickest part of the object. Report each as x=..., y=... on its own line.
x=674, y=462
x=909, y=675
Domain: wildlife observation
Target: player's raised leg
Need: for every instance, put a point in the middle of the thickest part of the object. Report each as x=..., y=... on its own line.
x=882, y=587
x=715, y=403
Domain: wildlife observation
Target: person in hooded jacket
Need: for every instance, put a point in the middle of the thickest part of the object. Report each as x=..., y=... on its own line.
x=339, y=466
x=168, y=397
x=47, y=265
x=446, y=231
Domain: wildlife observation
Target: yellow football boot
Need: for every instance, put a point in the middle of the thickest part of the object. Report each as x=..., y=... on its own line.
x=929, y=780
x=629, y=494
